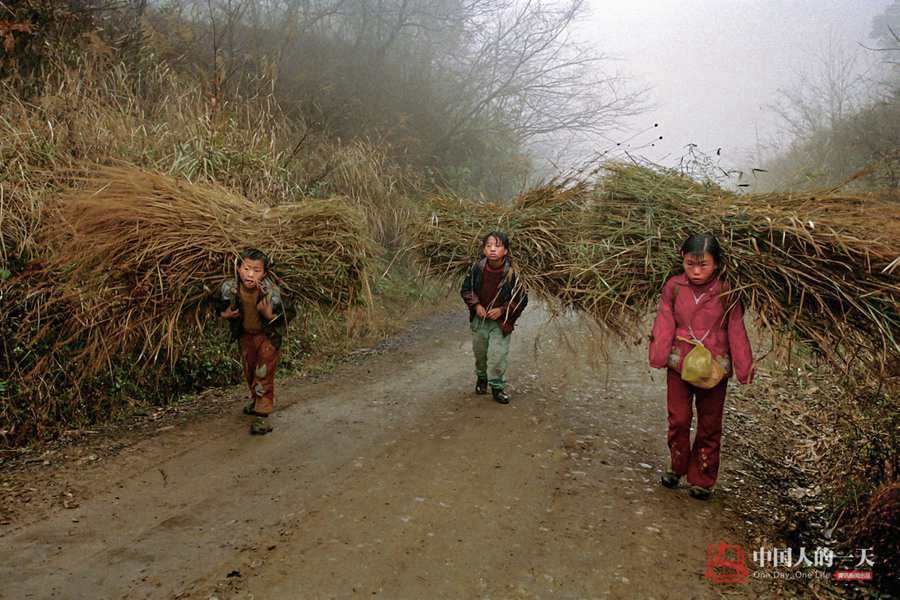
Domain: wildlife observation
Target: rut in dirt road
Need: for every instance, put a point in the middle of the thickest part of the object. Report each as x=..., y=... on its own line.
x=390, y=478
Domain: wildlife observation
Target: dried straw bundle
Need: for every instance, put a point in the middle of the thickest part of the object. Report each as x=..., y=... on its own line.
x=879, y=527
x=822, y=269
x=135, y=254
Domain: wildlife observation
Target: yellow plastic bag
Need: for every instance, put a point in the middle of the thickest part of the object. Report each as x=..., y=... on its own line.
x=699, y=368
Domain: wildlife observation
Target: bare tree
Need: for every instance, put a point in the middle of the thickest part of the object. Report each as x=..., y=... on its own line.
x=521, y=70
x=833, y=85
x=446, y=80
x=839, y=119
x=886, y=26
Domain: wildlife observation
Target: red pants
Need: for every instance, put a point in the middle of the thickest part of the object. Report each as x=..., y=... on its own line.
x=259, y=357
x=700, y=463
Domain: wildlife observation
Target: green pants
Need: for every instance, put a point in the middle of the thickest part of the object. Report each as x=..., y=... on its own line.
x=491, y=349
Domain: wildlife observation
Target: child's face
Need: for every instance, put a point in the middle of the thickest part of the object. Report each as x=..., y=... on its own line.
x=251, y=272
x=699, y=268
x=494, y=250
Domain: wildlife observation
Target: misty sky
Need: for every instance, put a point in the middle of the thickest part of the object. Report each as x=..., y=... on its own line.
x=713, y=65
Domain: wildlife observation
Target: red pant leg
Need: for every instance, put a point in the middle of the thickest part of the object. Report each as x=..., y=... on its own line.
x=679, y=403
x=247, y=345
x=263, y=384
x=704, y=466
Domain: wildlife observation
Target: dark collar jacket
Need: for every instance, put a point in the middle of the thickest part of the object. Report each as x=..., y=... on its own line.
x=511, y=297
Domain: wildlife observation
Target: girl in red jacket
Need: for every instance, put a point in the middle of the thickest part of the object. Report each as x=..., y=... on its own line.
x=692, y=308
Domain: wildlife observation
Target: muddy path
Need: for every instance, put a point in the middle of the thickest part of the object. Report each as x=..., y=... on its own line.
x=390, y=478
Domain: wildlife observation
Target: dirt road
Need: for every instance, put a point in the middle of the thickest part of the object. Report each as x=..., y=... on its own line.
x=389, y=478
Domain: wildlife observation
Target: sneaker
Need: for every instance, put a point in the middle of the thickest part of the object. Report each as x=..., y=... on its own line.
x=260, y=426
x=500, y=396
x=670, y=479
x=481, y=386
x=700, y=493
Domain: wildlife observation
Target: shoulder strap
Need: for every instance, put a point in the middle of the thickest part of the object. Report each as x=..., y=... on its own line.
x=724, y=288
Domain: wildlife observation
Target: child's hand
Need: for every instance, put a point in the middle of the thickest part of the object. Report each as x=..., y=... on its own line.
x=230, y=313
x=265, y=309
x=479, y=310
x=494, y=313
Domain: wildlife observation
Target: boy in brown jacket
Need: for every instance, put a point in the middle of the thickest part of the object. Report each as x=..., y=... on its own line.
x=257, y=314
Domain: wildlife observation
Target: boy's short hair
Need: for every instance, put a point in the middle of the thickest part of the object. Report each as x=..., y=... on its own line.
x=500, y=236
x=255, y=254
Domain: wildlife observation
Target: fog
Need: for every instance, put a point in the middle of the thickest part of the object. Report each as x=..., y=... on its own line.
x=714, y=65
x=488, y=96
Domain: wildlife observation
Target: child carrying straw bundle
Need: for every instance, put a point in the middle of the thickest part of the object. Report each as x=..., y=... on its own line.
x=256, y=311
x=495, y=302
x=699, y=338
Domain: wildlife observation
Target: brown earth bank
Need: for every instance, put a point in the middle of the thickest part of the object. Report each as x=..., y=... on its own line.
x=388, y=477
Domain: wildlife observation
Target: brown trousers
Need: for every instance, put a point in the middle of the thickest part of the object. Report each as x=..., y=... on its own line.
x=259, y=358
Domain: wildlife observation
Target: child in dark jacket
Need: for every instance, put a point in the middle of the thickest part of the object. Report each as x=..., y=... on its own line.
x=692, y=310
x=256, y=312
x=495, y=302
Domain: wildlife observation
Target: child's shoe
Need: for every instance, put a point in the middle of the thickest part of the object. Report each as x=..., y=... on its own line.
x=481, y=387
x=500, y=396
x=700, y=493
x=670, y=478
x=250, y=409
x=260, y=426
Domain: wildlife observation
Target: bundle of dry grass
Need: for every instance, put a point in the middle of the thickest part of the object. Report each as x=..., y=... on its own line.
x=540, y=221
x=819, y=269
x=879, y=527
x=134, y=255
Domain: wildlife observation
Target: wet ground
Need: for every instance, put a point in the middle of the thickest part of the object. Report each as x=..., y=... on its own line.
x=390, y=478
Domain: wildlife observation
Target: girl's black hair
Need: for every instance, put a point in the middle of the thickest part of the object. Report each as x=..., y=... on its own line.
x=254, y=254
x=500, y=236
x=699, y=244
